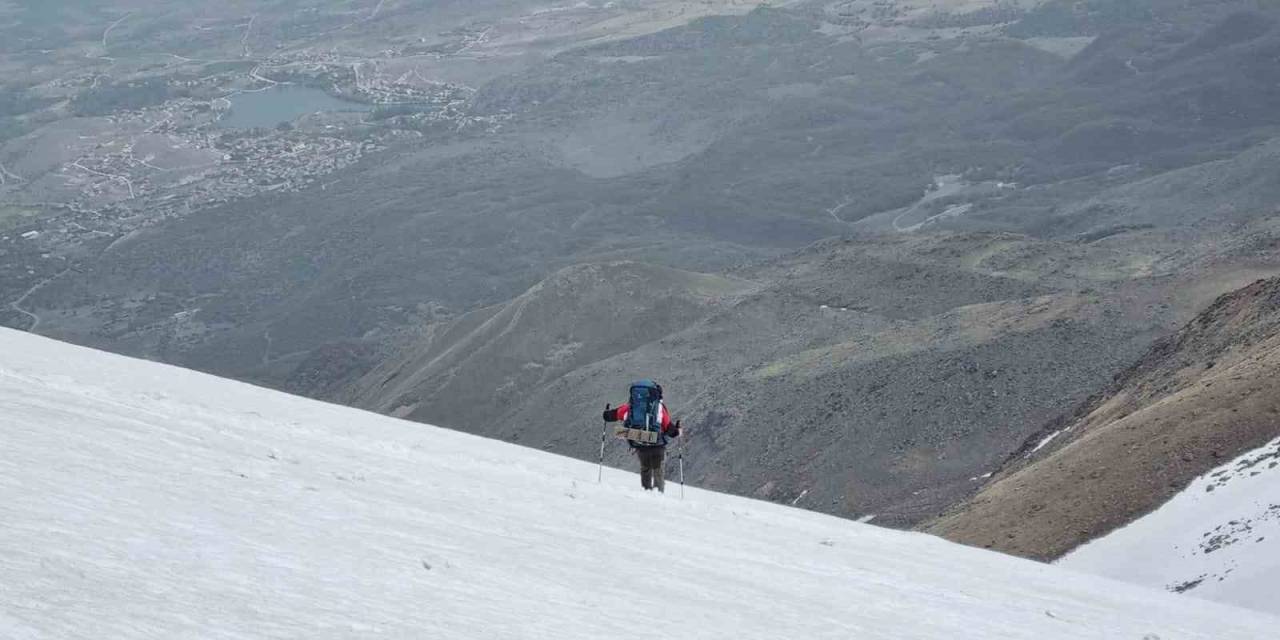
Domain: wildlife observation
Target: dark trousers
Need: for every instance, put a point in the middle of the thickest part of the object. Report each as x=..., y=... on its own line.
x=651, y=467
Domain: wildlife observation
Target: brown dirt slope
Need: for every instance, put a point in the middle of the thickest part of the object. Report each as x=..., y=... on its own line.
x=1196, y=399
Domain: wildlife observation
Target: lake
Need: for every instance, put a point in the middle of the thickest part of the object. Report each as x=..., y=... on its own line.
x=279, y=104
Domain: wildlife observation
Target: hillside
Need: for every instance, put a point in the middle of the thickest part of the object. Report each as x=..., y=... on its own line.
x=873, y=375
x=1197, y=400
x=474, y=368
x=147, y=501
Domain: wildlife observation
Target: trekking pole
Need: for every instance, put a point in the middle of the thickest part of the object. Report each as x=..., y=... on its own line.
x=600, y=471
x=682, y=465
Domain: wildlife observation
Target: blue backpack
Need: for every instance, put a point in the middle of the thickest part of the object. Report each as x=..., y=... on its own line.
x=644, y=421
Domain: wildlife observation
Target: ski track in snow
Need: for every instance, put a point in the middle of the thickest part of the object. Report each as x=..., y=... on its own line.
x=143, y=501
x=1218, y=539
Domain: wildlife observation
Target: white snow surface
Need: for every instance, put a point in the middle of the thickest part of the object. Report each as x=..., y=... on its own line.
x=144, y=501
x=1047, y=439
x=1217, y=539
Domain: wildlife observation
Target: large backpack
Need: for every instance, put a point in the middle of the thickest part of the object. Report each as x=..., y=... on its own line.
x=644, y=419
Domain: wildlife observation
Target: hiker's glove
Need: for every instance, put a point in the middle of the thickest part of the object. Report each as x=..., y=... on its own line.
x=675, y=428
x=609, y=415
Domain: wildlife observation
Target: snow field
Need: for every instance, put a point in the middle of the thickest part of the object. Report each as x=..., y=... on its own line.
x=143, y=501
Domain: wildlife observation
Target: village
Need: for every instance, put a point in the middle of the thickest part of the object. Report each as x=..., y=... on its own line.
x=129, y=169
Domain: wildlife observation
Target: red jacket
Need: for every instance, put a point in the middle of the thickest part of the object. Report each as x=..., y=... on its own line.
x=619, y=414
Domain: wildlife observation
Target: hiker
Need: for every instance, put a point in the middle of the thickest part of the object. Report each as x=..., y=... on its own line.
x=647, y=426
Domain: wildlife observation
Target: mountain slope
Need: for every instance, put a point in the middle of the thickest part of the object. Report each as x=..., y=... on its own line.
x=1197, y=399
x=869, y=375
x=1237, y=188
x=147, y=501
x=1218, y=539
x=477, y=365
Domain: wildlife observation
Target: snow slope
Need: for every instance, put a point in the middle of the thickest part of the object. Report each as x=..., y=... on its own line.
x=143, y=501
x=1217, y=539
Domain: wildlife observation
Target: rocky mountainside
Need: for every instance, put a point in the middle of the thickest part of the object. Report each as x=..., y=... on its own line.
x=1198, y=398
x=867, y=376
x=473, y=370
